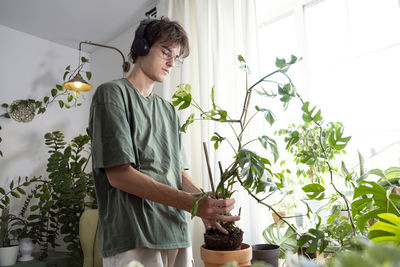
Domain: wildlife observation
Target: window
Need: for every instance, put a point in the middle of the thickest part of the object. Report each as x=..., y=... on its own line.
x=352, y=55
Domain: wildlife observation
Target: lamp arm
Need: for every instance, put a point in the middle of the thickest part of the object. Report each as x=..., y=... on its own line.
x=125, y=65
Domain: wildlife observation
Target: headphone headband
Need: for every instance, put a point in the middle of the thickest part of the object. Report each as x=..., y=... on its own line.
x=141, y=46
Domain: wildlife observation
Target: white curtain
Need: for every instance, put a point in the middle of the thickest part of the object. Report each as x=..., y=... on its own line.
x=219, y=31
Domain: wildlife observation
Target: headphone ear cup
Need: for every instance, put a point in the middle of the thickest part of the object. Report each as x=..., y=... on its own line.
x=141, y=47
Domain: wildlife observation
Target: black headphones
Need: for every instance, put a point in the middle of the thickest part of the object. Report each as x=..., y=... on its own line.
x=141, y=46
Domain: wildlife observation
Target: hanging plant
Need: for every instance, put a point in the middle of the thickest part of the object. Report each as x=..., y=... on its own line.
x=26, y=109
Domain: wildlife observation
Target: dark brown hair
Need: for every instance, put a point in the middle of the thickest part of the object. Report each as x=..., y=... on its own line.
x=164, y=30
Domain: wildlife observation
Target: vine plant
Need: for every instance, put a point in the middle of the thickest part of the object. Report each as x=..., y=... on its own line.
x=64, y=97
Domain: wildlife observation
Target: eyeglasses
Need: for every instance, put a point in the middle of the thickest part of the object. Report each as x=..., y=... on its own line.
x=167, y=54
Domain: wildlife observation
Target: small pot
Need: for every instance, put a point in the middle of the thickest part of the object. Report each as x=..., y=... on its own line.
x=217, y=258
x=8, y=255
x=277, y=219
x=25, y=248
x=267, y=253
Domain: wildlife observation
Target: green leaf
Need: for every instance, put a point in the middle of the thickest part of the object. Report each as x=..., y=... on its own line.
x=267, y=141
x=70, y=97
x=280, y=62
x=182, y=96
x=15, y=194
x=61, y=103
x=83, y=59
x=243, y=64
x=293, y=59
x=269, y=116
x=59, y=87
x=68, y=67
x=314, y=191
x=65, y=75
x=187, y=123
x=53, y=92
x=88, y=75
x=217, y=140
x=392, y=172
x=212, y=98
x=46, y=99
x=272, y=235
x=21, y=191
x=4, y=105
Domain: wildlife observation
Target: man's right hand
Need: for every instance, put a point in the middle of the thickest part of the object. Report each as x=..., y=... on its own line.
x=212, y=211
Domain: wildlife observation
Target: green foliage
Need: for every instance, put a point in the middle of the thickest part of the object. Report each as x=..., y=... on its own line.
x=11, y=224
x=370, y=200
x=310, y=146
x=63, y=196
x=378, y=255
x=314, y=191
x=217, y=140
x=286, y=242
x=57, y=94
x=338, y=227
x=198, y=198
x=386, y=230
x=248, y=168
x=314, y=239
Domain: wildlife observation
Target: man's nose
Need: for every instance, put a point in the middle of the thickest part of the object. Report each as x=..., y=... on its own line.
x=170, y=62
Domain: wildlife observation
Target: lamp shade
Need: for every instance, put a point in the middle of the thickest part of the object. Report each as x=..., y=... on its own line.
x=77, y=84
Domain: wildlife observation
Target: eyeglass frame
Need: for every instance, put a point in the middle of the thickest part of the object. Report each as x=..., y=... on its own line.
x=178, y=61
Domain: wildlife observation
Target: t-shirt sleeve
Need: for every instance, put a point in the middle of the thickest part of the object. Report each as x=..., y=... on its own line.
x=110, y=134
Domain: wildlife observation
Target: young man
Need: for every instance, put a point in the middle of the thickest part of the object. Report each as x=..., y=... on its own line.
x=138, y=160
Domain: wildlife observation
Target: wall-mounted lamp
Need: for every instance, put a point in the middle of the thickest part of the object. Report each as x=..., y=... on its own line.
x=77, y=83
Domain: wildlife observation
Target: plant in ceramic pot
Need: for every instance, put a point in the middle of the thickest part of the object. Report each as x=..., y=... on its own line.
x=248, y=169
x=11, y=225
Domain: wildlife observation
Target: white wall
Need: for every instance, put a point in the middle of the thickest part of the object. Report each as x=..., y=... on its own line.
x=106, y=64
x=29, y=68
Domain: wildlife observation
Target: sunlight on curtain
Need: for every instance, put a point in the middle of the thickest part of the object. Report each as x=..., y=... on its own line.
x=350, y=67
x=354, y=50
x=218, y=31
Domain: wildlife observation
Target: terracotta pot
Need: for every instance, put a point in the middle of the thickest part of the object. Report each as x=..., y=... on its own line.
x=277, y=219
x=217, y=258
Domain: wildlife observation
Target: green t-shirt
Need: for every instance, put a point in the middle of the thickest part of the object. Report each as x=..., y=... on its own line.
x=126, y=127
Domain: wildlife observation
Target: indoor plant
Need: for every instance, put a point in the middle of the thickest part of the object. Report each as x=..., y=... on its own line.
x=11, y=225
x=251, y=171
x=63, y=196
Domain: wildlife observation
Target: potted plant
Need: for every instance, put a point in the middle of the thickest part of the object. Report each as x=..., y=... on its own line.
x=248, y=169
x=276, y=246
x=8, y=250
x=11, y=225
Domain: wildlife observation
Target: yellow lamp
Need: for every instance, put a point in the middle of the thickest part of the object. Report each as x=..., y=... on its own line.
x=78, y=84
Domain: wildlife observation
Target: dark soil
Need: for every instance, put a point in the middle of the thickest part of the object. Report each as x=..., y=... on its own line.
x=215, y=240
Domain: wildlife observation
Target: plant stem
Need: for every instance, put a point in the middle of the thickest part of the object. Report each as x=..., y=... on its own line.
x=268, y=206
x=209, y=168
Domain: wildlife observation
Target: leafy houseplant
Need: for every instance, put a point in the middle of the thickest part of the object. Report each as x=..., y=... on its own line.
x=63, y=197
x=11, y=225
x=251, y=171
